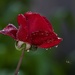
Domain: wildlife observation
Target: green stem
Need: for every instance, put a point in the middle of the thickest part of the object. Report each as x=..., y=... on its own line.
x=19, y=63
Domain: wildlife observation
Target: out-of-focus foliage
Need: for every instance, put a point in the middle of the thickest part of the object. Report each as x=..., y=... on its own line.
x=55, y=61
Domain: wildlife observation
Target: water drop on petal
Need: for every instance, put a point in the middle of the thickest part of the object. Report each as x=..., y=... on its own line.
x=42, y=33
x=26, y=37
x=46, y=34
x=56, y=46
x=48, y=41
x=58, y=38
x=34, y=34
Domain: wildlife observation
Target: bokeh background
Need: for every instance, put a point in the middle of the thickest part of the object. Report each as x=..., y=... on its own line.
x=55, y=61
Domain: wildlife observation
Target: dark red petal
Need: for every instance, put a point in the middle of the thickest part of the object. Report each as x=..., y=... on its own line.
x=36, y=22
x=9, y=30
x=22, y=31
x=45, y=39
x=48, y=23
x=21, y=20
x=48, y=44
x=41, y=31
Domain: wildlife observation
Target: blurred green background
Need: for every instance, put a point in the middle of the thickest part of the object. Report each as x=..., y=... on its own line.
x=54, y=61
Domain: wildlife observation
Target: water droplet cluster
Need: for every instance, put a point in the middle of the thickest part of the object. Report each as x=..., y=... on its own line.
x=68, y=62
x=40, y=37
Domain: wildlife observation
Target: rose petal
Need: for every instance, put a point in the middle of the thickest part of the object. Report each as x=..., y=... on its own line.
x=36, y=22
x=42, y=37
x=41, y=30
x=22, y=31
x=50, y=26
x=9, y=30
x=49, y=44
x=36, y=30
x=21, y=20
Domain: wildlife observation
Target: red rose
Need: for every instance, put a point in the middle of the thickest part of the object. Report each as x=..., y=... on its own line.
x=33, y=29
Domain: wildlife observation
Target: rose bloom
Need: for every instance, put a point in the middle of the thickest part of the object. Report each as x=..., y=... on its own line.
x=33, y=29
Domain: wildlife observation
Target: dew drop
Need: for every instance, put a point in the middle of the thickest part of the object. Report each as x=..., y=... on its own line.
x=67, y=61
x=58, y=38
x=47, y=49
x=34, y=34
x=37, y=31
x=48, y=41
x=26, y=37
x=46, y=34
x=42, y=33
x=46, y=31
x=28, y=50
x=56, y=46
x=18, y=72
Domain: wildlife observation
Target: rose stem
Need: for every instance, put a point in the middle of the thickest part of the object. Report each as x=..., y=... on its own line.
x=19, y=63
